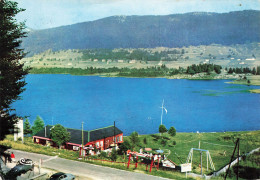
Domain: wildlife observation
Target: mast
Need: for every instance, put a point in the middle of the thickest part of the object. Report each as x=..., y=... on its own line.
x=162, y=111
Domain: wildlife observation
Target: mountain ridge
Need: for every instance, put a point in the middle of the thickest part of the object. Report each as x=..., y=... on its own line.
x=175, y=30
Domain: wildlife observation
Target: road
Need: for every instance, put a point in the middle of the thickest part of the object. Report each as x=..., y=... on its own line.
x=85, y=170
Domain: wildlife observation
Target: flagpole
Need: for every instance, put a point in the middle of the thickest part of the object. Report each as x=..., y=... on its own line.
x=162, y=111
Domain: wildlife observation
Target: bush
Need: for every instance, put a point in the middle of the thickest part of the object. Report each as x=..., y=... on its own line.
x=113, y=155
x=145, y=140
x=163, y=142
x=174, y=143
x=172, y=131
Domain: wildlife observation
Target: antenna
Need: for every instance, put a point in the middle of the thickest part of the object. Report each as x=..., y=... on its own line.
x=52, y=120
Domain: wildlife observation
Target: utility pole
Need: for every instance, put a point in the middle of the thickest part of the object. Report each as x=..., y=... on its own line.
x=115, y=135
x=82, y=138
x=236, y=146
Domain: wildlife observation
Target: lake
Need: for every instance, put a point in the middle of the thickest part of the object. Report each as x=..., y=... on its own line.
x=134, y=103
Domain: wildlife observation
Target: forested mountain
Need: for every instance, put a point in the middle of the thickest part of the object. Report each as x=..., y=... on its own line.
x=175, y=30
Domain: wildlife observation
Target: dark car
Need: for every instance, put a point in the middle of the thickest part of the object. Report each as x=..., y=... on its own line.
x=63, y=176
x=22, y=166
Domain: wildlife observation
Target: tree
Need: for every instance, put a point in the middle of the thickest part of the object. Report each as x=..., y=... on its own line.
x=162, y=129
x=38, y=125
x=12, y=72
x=172, y=131
x=27, y=127
x=134, y=139
x=254, y=71
x=59, y=135
x=124, y=147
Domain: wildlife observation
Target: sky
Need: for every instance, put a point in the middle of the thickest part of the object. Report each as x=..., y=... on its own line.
x=42, y=14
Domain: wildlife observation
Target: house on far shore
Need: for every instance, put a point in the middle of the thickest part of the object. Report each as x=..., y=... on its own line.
x=102, y=138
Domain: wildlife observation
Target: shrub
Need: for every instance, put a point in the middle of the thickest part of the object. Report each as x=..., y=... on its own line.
x=163, y=142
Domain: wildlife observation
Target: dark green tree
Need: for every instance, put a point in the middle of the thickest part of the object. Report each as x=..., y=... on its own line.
x=134, y=139
x=27, y=127
x=162, y=129
x=12, y=71
x=38, y=125
x=258, y=70
x=124, y=147
x=59, y=135
x=254, y=71
x=172, y=131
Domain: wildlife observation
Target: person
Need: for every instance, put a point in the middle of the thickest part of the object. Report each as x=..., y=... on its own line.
x=12, y=157
x=9, y=156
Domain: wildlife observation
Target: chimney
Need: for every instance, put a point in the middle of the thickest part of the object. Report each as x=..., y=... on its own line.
x=45, y=132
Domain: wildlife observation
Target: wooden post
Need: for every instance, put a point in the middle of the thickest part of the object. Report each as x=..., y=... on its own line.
x=207, y=154
x=151, y=164
x=136, y=163
x=128, y=161
x=201, y=162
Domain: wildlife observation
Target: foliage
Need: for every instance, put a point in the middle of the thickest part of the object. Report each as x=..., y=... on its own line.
x=113, y=155
x=163, y=142
x=12, y=72
x=172, y=131
x=208, y=68
x=38, y=125
x=27, y=127
x=145, y=140
x=103, y=154
x=162, y=129
x=123, y=147
x=134, y=139
x=59, y=135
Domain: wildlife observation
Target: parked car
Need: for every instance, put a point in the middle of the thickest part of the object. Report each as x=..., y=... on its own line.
x=62, y=176
x=22, y=166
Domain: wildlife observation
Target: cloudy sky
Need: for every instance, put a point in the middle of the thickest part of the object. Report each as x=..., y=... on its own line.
x=41, y=14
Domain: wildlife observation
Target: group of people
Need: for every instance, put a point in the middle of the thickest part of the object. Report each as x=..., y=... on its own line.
x=8, y=157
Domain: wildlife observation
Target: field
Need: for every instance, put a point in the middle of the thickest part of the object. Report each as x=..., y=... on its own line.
x=220, y=146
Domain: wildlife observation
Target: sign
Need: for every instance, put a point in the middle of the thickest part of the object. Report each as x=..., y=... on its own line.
x=186, y=167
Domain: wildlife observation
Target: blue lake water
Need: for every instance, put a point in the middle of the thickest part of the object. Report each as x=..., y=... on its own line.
x=133, y=103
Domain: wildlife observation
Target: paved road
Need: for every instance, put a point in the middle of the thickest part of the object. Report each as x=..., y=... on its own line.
x=89, y=171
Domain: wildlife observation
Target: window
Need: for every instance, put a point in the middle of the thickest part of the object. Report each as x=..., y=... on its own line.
x=121, y=138
x=97, y=144
x=101, y=143
x=75, y=148
x=117, y=139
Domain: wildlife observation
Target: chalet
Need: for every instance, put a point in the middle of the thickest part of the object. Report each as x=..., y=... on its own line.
x=102, y=138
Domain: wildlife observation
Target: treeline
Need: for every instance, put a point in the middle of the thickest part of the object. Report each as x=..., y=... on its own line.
x=127, y=72
x=255, y=71
x=154, y=71
x=137, y=54
x=208, y=68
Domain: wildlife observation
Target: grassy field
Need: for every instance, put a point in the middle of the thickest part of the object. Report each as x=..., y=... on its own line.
x=220, y=146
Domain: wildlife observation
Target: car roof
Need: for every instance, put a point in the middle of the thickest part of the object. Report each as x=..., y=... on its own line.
x=57, y=174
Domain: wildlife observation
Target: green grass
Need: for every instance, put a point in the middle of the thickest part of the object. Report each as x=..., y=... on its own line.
x=186, y=141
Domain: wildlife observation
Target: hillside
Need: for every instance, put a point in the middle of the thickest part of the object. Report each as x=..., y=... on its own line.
x=246, y=55
x=175, y=30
